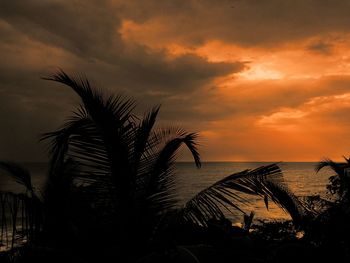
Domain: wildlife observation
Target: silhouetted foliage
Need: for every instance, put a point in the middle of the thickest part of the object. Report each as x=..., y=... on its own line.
x=265, y=181
x=339, y=184
x=333, y=221
x=111, y=185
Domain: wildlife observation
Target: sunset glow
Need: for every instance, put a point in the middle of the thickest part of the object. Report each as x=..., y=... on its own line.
x=256, y=86
x=296, y=94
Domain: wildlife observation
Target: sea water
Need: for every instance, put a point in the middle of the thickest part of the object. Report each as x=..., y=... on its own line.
x=300, y=177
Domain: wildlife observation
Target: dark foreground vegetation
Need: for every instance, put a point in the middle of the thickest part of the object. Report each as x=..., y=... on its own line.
x=110, y=197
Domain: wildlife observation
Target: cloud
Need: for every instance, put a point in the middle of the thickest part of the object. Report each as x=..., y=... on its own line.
x=244, y=74
x=321, y=48
x=328, y=108
x=83, y=37
x=84, y=28
x=249, y=23
x=187, y=73
x=23, y=120
x=89, y=32
x=274, y=121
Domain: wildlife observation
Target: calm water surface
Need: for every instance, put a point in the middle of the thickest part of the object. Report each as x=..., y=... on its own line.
x=300, y=177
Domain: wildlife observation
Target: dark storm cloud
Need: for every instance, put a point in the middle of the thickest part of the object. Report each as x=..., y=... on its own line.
x=28, y=109
x=83, y=27
x=250, y=22
x=37, y=37
x=91, y=31
x=183, y=74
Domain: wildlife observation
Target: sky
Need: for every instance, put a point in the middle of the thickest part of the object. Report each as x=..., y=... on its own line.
x=259, y=80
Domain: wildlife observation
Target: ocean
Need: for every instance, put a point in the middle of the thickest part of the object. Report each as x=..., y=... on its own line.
x=300, y=176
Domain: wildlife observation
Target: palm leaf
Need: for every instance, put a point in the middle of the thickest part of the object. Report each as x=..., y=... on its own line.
x=143, y=133
x=338, y=168
x=265, y=181
x=315, y=204
x=290, y=203
x=347, y=159
x=18, y=173
x=159, y=182
x=79, y=142
x=113, y=111
x=113, y=120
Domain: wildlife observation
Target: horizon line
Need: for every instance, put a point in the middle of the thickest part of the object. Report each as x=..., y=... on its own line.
x=205, y=161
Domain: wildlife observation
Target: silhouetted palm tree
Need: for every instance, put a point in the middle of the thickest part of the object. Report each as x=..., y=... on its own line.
x=335, y=214
x=137, y=161
x=339, y=184
x=265, y=181
x=125, y=162
x=26, y=205
x=121, y=169
x=47, y=212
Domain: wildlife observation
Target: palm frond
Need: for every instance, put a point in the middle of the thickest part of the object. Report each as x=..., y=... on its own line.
x=315, y=204
x=338, y=168
x=80, y=142
x=169, y=150
x=265, y=181
x=60, y=139
x=104, y=111
x=162, y=136
x=159, y=183
x=113, y=119
x=281, y=195
x=143, y=133
x=18, y=173
x=91, y=97
x=347, y=159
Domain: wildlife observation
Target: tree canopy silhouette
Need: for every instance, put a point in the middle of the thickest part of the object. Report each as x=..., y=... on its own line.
x=112, y=174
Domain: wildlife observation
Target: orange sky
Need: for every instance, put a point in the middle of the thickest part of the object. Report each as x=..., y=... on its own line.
x=259, y=80
x=289, y=103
